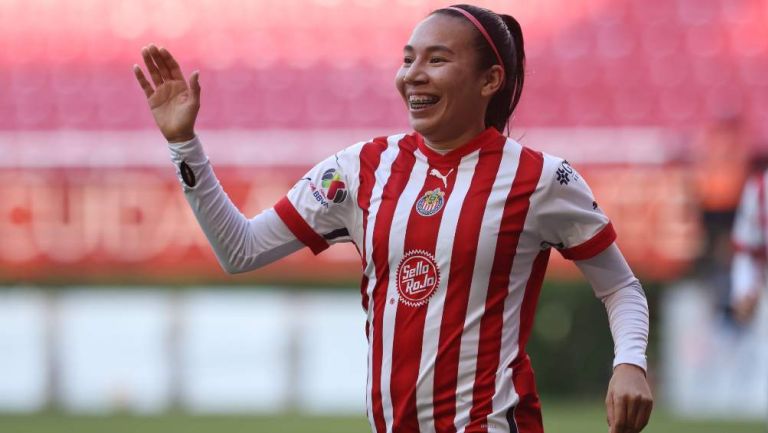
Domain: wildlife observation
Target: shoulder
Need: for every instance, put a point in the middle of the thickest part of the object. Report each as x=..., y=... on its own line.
x=558, y=178
x=371, y=152
x=375, y=144
x=560, y=172
x=364, y=153
x=554, y=169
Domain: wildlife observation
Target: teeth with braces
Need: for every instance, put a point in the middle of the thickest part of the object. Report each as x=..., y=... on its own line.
x=422, y=101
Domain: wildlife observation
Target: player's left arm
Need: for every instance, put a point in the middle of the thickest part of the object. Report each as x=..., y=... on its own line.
x=629, y=400
x=570, y=220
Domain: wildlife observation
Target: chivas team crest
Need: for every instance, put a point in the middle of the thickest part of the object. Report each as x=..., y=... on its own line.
x=431, y=202
x=417, y=278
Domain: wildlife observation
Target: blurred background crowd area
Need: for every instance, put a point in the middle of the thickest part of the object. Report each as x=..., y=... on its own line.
x=662, y=105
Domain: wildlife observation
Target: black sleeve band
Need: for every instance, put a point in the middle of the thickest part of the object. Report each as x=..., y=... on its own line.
x=187, y=175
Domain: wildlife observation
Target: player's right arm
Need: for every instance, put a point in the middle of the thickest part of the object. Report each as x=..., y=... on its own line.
x=240, y=244
x=315, y=213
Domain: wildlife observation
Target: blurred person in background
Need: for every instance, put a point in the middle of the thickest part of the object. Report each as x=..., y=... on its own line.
x=454, y=223
x=748, y=270
x=720, y=168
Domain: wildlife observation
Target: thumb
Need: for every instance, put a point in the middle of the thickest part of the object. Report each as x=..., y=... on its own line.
x=194, y=84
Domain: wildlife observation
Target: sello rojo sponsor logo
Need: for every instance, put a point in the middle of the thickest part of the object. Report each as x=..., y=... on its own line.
x=417, y=278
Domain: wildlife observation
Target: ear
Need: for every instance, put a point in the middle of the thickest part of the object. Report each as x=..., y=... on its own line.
x=492, y=81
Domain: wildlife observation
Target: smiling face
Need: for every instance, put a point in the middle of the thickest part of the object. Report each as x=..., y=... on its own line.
x=445, y=92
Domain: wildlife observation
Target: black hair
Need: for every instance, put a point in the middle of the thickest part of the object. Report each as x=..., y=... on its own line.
x=506, y=34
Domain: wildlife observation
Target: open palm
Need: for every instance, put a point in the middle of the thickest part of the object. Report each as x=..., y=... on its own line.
x=173, y=101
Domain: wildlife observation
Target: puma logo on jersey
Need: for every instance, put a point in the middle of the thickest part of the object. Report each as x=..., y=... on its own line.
x=437, y=174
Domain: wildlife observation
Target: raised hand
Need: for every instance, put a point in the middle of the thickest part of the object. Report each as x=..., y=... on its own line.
x=173, y=101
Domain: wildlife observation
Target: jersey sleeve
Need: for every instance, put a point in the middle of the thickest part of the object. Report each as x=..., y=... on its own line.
x=569, y=217
x=240, y=244
x=319, y=209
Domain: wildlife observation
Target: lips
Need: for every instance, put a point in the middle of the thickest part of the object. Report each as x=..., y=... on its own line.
x=421, y=102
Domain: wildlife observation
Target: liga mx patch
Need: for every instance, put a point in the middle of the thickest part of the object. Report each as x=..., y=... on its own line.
x=417, y=278
x=333, y=186
x=431, y=202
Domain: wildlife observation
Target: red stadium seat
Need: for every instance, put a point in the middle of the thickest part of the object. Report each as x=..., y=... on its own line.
x=698, y=12
x=642, y=13
x=752, y=70
x=615, y=41
x=662, y=38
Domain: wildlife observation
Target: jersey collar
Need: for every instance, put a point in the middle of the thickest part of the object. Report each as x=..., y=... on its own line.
x=490, y=135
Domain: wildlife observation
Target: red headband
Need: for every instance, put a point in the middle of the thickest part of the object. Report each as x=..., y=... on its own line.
x=485, y=34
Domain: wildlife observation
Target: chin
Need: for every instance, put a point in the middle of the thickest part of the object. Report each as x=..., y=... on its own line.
x=425, y=127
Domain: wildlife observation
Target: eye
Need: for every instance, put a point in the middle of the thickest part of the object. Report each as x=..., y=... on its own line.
x=407, y=60
x=437, y=60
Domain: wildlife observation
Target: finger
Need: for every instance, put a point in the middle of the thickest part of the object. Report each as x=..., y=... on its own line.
x=609, y=409
x=619, y=415
x=644, y=415
x=632, y=411
x=172, y=65
x=145, y=86
x=165, y=73
x=194, y=84
x=151, y=67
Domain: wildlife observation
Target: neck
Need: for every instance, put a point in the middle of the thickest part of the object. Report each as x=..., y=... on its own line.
x=448, y=144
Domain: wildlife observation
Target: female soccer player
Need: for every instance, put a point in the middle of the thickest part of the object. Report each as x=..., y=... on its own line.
x=454, y=223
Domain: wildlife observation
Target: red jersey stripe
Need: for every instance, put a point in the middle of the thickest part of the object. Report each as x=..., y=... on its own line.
x=597, y=244
x=463, y=259
x=531, y=299
x=756, y=252
x=370, y=157
x=421, y=234
x=291, y=217
x=525, y=417
x=400, y=173
x=513, y=220
x=527, y=414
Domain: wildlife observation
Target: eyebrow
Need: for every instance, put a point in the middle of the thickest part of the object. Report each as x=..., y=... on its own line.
x=431, y=48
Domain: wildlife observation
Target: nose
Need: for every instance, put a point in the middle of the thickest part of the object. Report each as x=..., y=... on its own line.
x=415, y=74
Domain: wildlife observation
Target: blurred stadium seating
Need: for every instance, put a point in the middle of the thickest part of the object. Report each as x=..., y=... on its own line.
x=330, y=63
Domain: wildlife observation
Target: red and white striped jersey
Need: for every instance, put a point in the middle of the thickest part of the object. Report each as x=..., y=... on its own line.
x=454, y=248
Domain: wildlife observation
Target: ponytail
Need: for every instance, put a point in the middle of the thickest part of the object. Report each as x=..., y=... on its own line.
x=516, y=76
